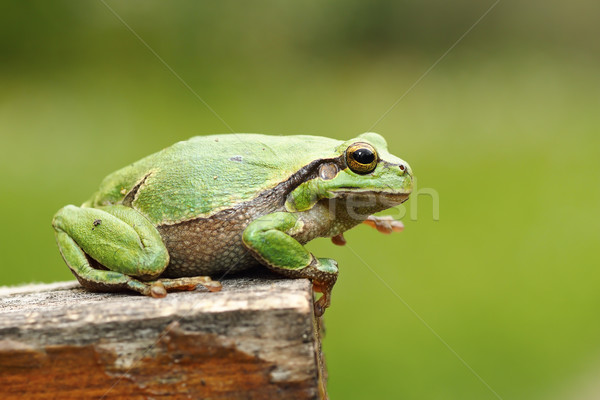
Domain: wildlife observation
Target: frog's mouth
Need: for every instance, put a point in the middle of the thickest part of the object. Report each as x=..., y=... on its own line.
x=384, y=196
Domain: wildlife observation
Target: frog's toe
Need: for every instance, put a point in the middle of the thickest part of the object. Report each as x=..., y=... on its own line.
x=339, y=240
x=158, y=290
x=213, y=286
x=325, y=287
x=384, y=224
x=190, y=283
x=323, y=303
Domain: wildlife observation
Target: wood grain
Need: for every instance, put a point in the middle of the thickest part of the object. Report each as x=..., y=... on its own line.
x=256, y=339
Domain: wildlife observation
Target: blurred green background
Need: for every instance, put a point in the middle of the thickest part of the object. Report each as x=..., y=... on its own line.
x=505, y=129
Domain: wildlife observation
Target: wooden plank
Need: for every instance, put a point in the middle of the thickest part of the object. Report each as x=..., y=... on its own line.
x=257, y=338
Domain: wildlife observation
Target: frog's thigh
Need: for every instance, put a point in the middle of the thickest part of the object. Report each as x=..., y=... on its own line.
x=118, y=237
x=269, y=240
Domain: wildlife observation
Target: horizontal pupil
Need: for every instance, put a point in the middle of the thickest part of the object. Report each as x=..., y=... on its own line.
x=364, y=156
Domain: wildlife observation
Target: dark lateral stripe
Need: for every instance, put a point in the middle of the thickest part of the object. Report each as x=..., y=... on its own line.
x=279, y=192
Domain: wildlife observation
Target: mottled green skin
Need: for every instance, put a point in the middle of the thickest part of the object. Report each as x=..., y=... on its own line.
x=217, y=204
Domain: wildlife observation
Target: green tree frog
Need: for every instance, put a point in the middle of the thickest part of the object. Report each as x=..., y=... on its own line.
x=220, y=204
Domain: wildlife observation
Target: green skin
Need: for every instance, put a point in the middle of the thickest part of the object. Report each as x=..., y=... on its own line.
x=218, y=204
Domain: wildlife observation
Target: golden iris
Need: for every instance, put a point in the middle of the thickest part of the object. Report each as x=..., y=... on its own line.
x=361, y=158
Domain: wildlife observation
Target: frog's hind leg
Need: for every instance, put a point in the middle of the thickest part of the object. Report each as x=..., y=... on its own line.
x=92, y=278
x=119, y=239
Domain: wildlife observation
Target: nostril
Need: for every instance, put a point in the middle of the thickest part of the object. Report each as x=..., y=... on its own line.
x=402, y=167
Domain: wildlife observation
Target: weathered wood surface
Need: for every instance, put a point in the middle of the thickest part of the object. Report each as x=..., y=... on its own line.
x=256, y=339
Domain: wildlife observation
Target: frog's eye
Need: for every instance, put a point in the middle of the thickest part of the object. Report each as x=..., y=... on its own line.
x=361, y=158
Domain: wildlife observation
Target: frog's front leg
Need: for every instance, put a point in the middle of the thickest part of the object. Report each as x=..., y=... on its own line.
x=123, y=242
x=269, y=238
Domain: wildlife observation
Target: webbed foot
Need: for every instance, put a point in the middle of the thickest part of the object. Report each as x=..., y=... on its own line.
x=160, y=287
x=324, y=276
x=385, y=224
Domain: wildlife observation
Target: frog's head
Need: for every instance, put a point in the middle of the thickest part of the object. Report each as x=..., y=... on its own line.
x=363, y=172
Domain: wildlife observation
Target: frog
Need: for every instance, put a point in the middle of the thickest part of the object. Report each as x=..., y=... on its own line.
x=220, y=204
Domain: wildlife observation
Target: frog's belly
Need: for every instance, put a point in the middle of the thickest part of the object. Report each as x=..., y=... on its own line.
x=210, y=246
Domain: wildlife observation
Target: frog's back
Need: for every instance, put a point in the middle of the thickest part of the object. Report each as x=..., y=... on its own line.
x=208, y=174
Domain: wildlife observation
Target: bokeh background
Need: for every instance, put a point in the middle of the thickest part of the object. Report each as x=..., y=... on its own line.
x=505, y=129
